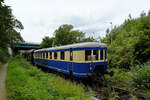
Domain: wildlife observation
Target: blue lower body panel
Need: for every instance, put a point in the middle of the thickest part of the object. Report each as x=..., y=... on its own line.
x=78, y=69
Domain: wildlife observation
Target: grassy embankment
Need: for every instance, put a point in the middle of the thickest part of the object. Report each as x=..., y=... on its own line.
x=25, y=82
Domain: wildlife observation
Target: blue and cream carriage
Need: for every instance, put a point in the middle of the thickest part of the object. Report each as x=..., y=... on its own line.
x=80, y=59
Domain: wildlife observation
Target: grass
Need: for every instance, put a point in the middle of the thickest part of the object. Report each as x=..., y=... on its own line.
x=25, y=82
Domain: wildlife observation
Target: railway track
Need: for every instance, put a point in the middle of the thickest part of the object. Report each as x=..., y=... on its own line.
x=108, y=90
x=122, y=94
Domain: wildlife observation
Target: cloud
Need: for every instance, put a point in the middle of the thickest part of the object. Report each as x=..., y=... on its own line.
x=42, y=17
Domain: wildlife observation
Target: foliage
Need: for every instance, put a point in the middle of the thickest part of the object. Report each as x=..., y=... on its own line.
x=141, y=78
x=65, y=35
x=147, y=63
x=9, y=27
x=135, y=79
x=47, y=42
x=130, y=42
x=25, y=82
x=4, y=55
x=89, y=39
x=121, y=78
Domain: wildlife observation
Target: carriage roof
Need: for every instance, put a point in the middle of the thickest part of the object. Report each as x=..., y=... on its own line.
x=76, y=45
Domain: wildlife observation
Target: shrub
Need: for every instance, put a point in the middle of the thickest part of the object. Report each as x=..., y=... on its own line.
x=141, y=78
x=121, y=78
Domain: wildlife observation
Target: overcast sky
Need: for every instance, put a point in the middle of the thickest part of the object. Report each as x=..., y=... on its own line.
x=41, y=18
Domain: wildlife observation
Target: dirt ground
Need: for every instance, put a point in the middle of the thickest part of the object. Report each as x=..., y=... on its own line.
x=3, y=71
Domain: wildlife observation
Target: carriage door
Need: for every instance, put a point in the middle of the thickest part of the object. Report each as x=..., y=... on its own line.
x=70, y=66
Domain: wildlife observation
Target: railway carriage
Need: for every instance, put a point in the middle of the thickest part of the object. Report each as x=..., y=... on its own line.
x=79, y=60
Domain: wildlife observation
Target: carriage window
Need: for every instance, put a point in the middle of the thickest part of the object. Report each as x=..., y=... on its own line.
x=101, y=55
x=46, y=55
x=62, y=55
x=88, y=55
x=95, y=54
x=50, y=55
x=55, y=55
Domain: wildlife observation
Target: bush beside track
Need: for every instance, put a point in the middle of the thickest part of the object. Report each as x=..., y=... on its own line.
x=121, y=78
x=25, y=82
x=137, y=79
x=141, y=79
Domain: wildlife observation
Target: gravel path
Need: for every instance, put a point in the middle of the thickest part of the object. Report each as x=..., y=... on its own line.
x=3, y=71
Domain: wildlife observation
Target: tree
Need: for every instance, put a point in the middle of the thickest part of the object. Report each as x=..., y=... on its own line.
x=47, y=42
x=89, y=39
x=107, y=31
x=130, y=17
x=9, y=27
x=143, y=14
x=66, y=35
x=131, y=42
